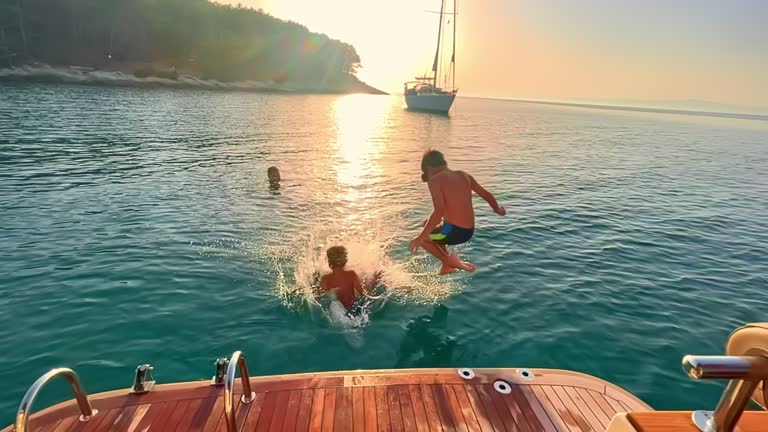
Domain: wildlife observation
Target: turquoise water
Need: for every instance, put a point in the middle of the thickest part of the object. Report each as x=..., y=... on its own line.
x=138, y=226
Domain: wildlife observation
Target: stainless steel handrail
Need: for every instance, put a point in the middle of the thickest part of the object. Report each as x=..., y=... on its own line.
x=745, y=373
x=726, y=367
x=86, y=411
x=237, y=361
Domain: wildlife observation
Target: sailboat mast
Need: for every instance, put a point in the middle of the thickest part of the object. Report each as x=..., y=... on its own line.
x=436, y=63
x=453, y=54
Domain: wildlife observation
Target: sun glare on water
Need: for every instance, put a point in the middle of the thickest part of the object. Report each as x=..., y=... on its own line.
x=358, y=139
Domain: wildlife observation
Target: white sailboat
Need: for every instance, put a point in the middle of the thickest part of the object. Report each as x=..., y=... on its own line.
x=425, y=93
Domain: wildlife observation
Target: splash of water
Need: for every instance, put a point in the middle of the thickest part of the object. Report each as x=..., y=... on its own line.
x=298, y=262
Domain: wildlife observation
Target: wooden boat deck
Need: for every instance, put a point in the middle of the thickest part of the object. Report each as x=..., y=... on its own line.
x=384, y=400
x=680, y=421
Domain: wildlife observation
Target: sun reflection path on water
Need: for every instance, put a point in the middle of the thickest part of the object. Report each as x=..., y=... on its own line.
x=359, y=140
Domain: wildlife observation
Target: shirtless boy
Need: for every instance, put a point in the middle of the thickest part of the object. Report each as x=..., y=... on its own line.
x=349, y=288
x=452, y=201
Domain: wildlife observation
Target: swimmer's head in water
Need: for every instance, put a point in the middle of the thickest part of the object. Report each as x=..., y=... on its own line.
x=431, y=161
x=273, y=174
x=337, y=256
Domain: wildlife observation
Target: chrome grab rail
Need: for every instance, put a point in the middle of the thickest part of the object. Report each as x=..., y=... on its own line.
x=745, y=373
x=237, y=361
x=86, y=411
x=726, y=367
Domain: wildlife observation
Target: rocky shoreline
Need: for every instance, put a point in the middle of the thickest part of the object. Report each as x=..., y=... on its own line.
x=42, y=73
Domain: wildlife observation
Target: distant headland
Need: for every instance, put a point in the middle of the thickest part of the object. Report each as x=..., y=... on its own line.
x=173, y=43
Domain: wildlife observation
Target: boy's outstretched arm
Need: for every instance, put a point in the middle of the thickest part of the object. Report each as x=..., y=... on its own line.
x=487, y=196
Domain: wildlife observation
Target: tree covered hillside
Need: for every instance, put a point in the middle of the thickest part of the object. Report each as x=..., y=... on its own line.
x=197, y=37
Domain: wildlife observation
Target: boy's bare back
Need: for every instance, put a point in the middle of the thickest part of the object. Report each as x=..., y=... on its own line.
x=454, y=189
x=346, y=283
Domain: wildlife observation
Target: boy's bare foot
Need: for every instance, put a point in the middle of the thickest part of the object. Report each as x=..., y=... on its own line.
x=456, y=263
x=466, y=266
x=446, y=269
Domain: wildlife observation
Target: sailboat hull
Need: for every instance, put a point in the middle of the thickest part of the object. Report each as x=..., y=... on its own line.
x=430, y=102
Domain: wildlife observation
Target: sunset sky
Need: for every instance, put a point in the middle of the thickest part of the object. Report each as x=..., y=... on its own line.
x=591, y=50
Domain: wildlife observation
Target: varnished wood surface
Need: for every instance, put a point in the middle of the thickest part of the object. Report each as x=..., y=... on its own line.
x=433, y=400
x=680, y=421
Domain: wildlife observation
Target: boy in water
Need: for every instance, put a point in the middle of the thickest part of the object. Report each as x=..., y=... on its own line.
x=273, y=174
x=452, y=201
x=349, y=288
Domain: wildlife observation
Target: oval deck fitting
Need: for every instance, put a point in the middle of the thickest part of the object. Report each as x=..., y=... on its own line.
x=466, y=373
x=526, y=374
x=502, y=387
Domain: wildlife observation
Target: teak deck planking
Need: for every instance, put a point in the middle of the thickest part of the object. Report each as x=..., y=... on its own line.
x=386, y=400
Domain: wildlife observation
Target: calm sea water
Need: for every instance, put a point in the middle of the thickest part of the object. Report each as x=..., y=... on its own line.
x=138, y=226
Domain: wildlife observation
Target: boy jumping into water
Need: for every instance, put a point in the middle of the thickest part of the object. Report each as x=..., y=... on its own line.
x=452, y=201
x=349, y=288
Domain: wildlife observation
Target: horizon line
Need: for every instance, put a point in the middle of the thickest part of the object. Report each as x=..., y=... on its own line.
x=743, y=116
